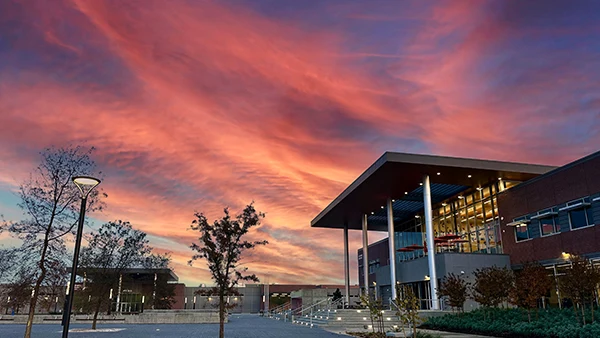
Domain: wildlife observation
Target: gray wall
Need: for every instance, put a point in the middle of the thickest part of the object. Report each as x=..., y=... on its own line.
x=463, y=264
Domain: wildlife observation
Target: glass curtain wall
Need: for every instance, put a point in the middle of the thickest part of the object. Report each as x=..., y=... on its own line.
x=467, y=223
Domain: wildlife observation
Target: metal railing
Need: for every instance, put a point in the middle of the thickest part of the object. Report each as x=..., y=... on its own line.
x=309, y=310
x=423, y=304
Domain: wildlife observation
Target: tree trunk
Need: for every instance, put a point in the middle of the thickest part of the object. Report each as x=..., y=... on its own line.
x=583, y=313
x=96, y=311
x=36, y=288
x=529, y=315
x=221, y=315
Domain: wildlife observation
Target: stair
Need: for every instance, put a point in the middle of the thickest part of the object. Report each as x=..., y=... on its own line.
x=347, y=320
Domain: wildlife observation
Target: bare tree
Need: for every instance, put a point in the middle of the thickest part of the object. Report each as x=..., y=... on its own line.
x=8, y=262
x=115, y=247
x=221, y=244
x=50, y=202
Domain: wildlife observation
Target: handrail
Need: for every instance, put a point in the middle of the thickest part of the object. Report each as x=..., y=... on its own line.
x=300, y=311
x=282, y=307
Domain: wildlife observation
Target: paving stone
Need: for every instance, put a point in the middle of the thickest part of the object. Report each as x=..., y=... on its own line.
x=239, y=326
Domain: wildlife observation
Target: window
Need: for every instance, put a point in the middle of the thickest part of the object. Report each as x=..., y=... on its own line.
x=580, y=218
x=548, y=226
x=522, y=232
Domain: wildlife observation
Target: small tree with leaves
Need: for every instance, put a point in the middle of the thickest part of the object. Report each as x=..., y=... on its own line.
x=408, y=307
x=115, y=247
x=456, y=289
x=492, y=286
x=579, y=284
x=531, y=284
x=222, y=245
x=375, y=307
x=50, y=201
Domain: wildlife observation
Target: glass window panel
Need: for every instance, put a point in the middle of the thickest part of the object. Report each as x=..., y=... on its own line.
x=486, y=192
x=522, y=233
x=547, y=226
x=589, y=215
x=578, y=218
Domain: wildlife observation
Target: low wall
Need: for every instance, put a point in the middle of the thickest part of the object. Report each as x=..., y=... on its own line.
x=147, y=317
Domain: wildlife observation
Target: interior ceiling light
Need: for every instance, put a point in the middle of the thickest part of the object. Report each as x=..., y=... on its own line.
x=469, y=176
x=439, y=174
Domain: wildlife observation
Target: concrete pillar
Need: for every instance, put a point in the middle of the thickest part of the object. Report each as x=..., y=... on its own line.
x=119, y=293
x=430, y=243
x=346, y=265
x=392, y=246
x=267, y=297
x=365, y=238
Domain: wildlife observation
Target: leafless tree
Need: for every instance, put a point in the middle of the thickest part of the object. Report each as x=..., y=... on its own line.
x=50, y=202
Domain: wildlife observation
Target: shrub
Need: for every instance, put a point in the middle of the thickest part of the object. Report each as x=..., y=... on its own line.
x=552, y=323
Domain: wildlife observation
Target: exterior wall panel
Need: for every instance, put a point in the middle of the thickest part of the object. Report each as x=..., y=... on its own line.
x=555, y=189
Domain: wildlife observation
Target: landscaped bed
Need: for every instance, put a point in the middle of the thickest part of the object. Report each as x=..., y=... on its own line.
x=551, y=323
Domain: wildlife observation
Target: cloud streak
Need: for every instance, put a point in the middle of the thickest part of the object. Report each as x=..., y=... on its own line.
x=197, y=106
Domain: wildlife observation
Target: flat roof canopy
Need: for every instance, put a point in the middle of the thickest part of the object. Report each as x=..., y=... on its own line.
x=137, y=272
x=395, y=174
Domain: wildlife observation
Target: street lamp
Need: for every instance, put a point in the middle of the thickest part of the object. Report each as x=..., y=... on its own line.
x=85, y=184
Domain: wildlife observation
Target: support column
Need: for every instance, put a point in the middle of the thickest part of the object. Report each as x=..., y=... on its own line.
x=346, y=266
x=154, y=291
x=365, y=238
x=430, y=244
x=392, y=246
x=119, y=293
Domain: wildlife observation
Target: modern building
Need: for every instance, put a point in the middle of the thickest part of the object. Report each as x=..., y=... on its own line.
x=454, y=215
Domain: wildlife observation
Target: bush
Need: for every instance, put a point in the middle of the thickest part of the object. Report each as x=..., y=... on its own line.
x=553, y=323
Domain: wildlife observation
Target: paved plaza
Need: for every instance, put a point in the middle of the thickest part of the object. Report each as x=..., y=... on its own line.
x=240, y=326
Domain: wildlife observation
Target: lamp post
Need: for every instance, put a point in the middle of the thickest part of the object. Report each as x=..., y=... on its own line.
x=85, y=184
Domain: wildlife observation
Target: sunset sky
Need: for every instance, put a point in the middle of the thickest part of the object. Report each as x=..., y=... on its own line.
x=197, y=105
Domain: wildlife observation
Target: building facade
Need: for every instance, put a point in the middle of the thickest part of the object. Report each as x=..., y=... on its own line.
x=452, y=215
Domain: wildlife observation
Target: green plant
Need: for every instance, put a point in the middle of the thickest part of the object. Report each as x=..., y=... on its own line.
x=531, y=284
x=408, y=307
x=456, y=289
x=579, y=284
x=375, y=307
x=492, y=286
x=553, y=323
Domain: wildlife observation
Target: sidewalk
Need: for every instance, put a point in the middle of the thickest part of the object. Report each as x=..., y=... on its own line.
x=443, y=334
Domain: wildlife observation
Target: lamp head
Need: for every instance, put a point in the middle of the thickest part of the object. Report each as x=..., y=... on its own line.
x=85, y=184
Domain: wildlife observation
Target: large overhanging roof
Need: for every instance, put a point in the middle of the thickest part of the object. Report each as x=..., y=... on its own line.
x=137, y=272
x=395, y=174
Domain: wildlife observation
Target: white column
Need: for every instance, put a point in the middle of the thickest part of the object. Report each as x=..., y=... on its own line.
x=430, y=244
x=267, y=297
x=119, y=293
x=346, y=265
x=392, y=246
x=365, y=237
x=154, y=291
